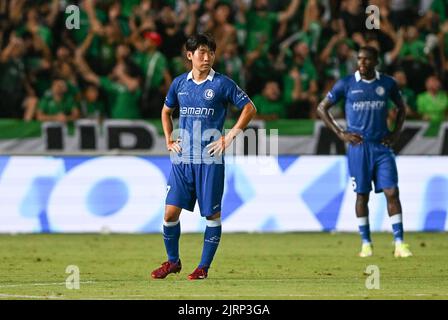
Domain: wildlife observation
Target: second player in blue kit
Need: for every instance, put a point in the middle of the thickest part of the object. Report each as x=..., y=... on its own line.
x=370, y=157
x=197, y=172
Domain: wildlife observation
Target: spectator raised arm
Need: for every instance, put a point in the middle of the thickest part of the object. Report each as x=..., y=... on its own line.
x=326, y=53
x=81, y=64
x=289, y=12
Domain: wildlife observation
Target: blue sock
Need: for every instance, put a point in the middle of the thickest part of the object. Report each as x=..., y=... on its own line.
x=364, y=229
x=397, y=227
x=171, y=235
x=212, y=236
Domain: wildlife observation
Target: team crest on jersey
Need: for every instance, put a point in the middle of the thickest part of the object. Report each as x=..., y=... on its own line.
x=209, y=94
x=379, y=90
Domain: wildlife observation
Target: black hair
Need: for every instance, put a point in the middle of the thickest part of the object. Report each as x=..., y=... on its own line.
x=201, y=39
x=371, y=50
x=273, y=78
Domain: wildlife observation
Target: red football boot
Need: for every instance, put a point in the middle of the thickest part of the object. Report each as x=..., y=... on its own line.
x=166, y=268
x=198, y=274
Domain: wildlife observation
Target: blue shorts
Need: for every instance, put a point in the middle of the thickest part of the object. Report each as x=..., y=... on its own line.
x=372, y=161
x=188, y=182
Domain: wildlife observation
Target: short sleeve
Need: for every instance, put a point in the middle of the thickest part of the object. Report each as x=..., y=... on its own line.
x=337, y=92
x=171, y=100
x=236, y=95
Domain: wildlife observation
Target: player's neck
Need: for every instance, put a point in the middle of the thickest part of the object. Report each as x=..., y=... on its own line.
x=369, y=76
x=199, y=75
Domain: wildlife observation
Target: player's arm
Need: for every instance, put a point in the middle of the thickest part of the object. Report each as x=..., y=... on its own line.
x=391, y=138
x=247, y=114
x=324, y=113
x=167, y=124
x=249, y=111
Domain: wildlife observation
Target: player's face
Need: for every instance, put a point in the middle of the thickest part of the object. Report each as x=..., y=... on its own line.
x=366, y=63
x=202, y=58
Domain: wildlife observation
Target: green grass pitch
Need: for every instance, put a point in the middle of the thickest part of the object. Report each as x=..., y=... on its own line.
x=247, y=266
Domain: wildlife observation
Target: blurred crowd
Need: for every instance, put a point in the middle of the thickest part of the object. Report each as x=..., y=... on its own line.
x=121, y=60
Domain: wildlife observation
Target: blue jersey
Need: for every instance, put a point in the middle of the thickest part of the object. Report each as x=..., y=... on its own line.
x=202, y=106
x=366, y=103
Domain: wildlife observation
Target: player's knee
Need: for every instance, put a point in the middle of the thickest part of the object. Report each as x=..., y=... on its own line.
x=391, y=194
x=172, y=214
x=362, y=198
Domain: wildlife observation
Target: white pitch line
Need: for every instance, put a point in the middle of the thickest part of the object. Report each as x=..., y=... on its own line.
x=40, y=284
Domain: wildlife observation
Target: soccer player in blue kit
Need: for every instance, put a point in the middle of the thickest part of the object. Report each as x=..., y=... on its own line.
x=370, y=157
x=202, y=96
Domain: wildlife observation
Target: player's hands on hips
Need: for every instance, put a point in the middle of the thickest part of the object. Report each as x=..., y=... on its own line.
x=217, y=147
x=174, y=146
x=349, y=137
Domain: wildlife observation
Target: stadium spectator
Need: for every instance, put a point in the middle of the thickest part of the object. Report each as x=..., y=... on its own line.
x=117, y=19
x=143, y=16
x=432, y=104
x=443, y=50
x=110, y=37
x=407, y=94
x=414, y=60
x=14, y=85
x=92, y=107
x=352, y=17
x=35, y=27
x=220, y=27
x=303, y=105
x=174, y=36
x=413, y=47
x=232, y=65
x=260, y=23
x=270, y=104
x=206, y=15
x=123, y=87
x=56, y=105
x=338, y=57
x=90, y=18
x=312, y=25
x=37, y=61
x=153, y=65
x=256, y=40
x=261, y=66
x=409, y=99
